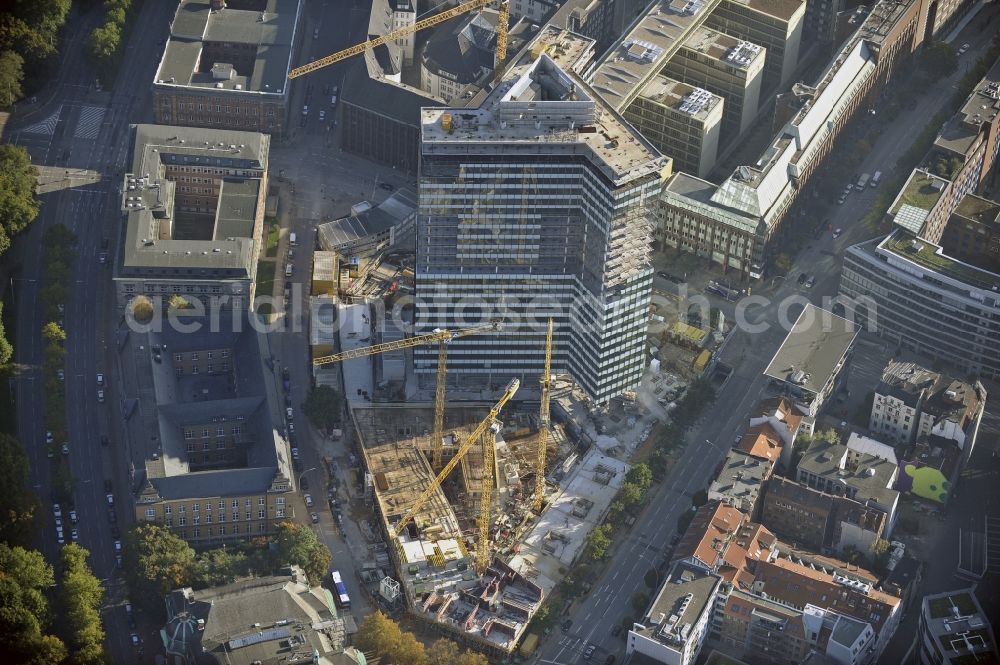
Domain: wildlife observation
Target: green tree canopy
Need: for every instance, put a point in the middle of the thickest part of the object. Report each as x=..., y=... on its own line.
x=11, y=75
x=640, y=475
x=80, y=599
x=323, y=407
x=24, y=609
x=6, y=350
x=51, y=332
x=142, y=309
x=17, y=503
x=599, y=541
x=18, y=206
x=938, y=60
x=298, y=544
x=221, y=566
x=382, y=636
x=156, y=562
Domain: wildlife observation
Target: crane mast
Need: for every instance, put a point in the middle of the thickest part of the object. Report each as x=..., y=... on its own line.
x=486, y=496
x=471, y=440
x=543, y=424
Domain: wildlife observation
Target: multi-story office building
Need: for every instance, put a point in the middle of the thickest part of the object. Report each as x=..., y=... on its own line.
x=681, y=121
x=835, y=468
x=820, y=19
x=193, y=204
x=963, y=155
x=911, y=291
x=537, y=204
x=972, y=234
x=535, y=11
x=808, y=363
x=740, y=483
x=226, y=65
x=793, y=581
x=822, y=522
x=675, y=626
x=758, y=198
x=776, y=25
x=223, y=471
x=726, y=66
x=954, y=630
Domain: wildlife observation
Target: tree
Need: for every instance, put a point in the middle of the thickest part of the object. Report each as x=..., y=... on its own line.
x=24, y=577
x=11, y=75
x=52, y=333
x=469, y=657
x=382, y=636
x=156, y=562
x=640, y=475
x=938, y=60
x=220, y=566
x=599, y=541
x=630, y=494
x=142, y=309
x=178, y=301
x=684, y=520
x=783, y=263
x=80, y=596
x=297, y=544
x=17, y=503
x=6, y=350
x=323, y=407
x=699, y=498
x=18, y=206
x=442, y=650
x=651, y=578
x=639, y=601
x=104, y=41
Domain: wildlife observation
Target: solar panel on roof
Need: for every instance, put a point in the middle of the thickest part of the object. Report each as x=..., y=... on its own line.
x=258, y=637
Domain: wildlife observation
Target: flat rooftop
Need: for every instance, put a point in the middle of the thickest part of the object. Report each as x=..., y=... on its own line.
x=395, y=210
x=929, y=256
x=261, y=32
x=957, y=621
x=687, y=100
x=980, y=210
x=686, y=593
x=540, y=104
x=225, y=242
x=780, y=9
x=725, y=50
x=871, y=476
x=813, y=348
x=643, y=52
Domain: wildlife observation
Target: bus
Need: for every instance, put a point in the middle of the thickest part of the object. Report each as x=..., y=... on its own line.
x=340, y=592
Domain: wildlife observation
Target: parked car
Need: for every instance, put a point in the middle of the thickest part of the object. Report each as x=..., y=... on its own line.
x=112, y=515
x=72, y=517
x=56, y=510
x=837, y=232
x=963, y=49
x=308, y=499
x=386, y=186
x=49, y=439
x=100, y=380
x=322, y=115
x=111, y=498
x=566, y=625
x=74, y=535
x=315, y=518
x=100, y=396
x=842, y=199
x=811, y=281
x=136, y=642
x=65, y=449
x=802, y=278
x=118, y=547
x=589, y=651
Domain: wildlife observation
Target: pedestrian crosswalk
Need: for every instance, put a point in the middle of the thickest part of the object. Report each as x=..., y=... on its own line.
x=89, y=123
x=47, y=126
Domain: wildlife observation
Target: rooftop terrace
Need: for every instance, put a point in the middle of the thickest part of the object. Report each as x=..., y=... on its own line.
x=932, y=257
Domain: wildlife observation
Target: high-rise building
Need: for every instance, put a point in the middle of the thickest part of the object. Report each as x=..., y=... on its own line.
x=726, y=66
x=774, y=24
x=682, y=121
x=536, y=204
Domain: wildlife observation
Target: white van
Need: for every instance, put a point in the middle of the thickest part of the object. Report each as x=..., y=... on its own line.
x=292, y=240
x=288, y=270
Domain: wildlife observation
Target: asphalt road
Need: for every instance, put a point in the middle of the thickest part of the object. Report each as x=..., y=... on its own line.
x=749, y=353
x=85, y=132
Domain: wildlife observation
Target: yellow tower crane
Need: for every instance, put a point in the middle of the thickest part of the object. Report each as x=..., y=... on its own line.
x=488, y=424
x=442, y=337
x=543, y=424
x=470, y=5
